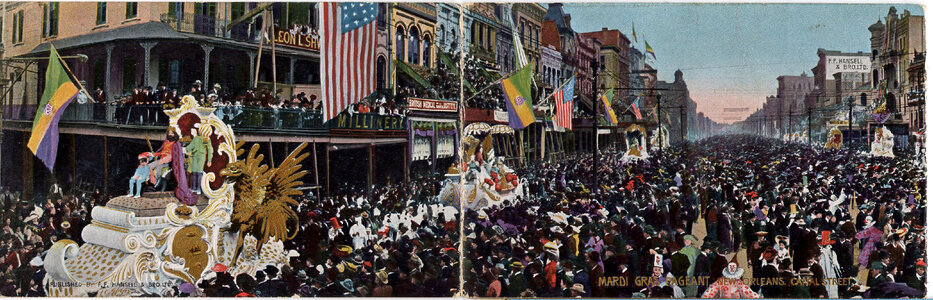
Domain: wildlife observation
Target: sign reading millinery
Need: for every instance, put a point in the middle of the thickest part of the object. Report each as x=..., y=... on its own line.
x=368, y=122
x=847, y=64
x=432, y=105
x=288, y=38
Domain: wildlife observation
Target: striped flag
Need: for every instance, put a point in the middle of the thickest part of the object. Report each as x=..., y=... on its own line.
x=634, y=36
x=649, y=50
x=516, y=90
x=520, y=58
x=348, y=47
x=610, y=113
x=564, y=99
x=635, y=107
x=59, y=92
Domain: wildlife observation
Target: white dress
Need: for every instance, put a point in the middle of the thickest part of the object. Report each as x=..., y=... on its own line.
x=831, y=267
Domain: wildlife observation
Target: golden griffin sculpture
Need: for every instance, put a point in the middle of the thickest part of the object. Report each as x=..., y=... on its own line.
x=264, y=196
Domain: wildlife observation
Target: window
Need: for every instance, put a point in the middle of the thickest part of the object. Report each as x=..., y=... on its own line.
x=443, y=34
x=50, y=20
x=399, y=43
x=237, y=9
x=381, y=72
x=206, y=9
x=414, y=43
x=299, y=13
x=176, y=9
x=381, y=18
x=101, y=13
x=18, y=27
x=426, y=53
x=131, y=10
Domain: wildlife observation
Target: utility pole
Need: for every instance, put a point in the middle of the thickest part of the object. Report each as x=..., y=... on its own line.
x=809, y=139
x=851, y=102
x=595, y=66
x=657, y=108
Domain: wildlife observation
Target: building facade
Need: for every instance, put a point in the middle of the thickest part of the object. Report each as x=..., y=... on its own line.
x=894, y=42
x=551, y=66
x=528, y=17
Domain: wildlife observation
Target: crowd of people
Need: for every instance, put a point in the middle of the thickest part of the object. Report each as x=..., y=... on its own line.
x=31, y=227
x=802, y=222
x=400, y=243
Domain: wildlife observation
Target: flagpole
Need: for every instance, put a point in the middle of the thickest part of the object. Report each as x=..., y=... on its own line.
x=492, y=84
x=71, y=75
x=559, y=88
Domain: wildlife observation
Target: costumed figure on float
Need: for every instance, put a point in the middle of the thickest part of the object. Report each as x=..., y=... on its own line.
x=149, y=243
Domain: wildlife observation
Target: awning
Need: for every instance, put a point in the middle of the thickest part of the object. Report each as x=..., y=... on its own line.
x=149, y=30
x=411, y=73
x=156, y=31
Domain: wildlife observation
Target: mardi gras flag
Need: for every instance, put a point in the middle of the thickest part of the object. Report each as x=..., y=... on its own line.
x=634, y=36
x=517, y=92
x=59, y=92
x=610, y=114
x=649, y=50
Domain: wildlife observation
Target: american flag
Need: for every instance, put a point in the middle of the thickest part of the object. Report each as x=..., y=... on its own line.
x=348, y=64
x=564, y=99
x=635, y=107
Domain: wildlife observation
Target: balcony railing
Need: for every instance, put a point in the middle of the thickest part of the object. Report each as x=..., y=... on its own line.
x=258, y=118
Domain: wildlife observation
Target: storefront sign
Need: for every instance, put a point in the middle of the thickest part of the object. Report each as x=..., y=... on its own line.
x=369, y=122
x=432, y=105
x=501, y=116
x=832, y=123
x=847, y=64
x=287, y=38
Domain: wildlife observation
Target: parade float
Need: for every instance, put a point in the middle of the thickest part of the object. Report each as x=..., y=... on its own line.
x=834, y=139
x=485, y=177
x=883, y=143
x=635, y=142
x=152, y=243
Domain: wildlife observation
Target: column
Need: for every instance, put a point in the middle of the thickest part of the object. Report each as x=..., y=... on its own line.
x=27, y=168
x=108, y=86
x=252, y=71
x=147, y=49
x=327, y=169
x=207, y=63
x=369, y=173
x=291, y=70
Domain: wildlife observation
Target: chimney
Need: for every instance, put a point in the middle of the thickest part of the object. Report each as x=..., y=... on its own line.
x=605, y=28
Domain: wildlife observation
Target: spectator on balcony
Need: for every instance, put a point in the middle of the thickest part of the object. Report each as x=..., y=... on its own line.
x=99, y=96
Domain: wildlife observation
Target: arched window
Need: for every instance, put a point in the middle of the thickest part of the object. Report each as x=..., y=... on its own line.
x=426, y=52
x=442, y=39
x=400, y=43
x=381, y=72
x=414, y=43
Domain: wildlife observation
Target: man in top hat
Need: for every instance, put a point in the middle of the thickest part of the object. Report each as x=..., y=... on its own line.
x=730, y=285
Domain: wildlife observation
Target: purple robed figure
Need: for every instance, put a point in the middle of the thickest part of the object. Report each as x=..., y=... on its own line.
x=178, y=169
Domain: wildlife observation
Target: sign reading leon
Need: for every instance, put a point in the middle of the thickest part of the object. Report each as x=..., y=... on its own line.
x=285, y=37
x=847, y=64
x=432, y=105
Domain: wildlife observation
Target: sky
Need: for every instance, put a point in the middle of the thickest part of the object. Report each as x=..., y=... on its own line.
x=732, y=54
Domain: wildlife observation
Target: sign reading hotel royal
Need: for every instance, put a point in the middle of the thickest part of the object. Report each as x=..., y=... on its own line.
x=432, y=105
x=847, y=64
x=306, y=41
